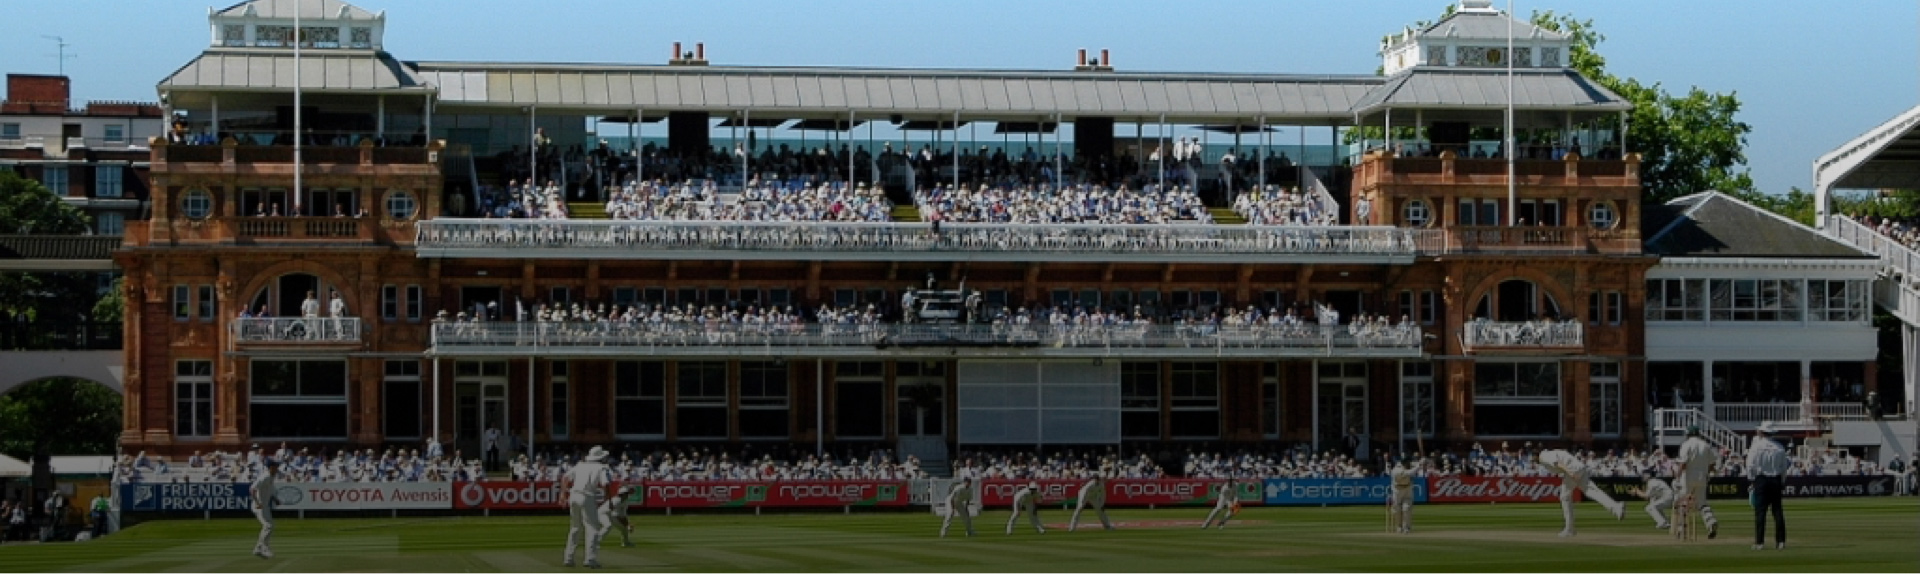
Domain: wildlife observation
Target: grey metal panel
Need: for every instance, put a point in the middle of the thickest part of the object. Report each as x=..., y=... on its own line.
x=786, y=92
x=572, y=88
x=903, y=97
x=948, y=90
x=523, y=92
x=1019, y=95
x=1223, y=99
x=1272, y=99
x=500, y=87
x=650, y=90
x=993, y=93
x=807, y=90
x=598, y=91
x=372, y=74
x=926, y=94
x=760, y=92
x=1064, y=98
x=1042, y=94
x=1158, y=96
x=711, y=95
x=475, y=84
x=1132, y=98
x=736, y=94
x=1185, y=96
x=877, y=90
x=834, y=94
x=972, y=95
x=244, y=71
x=1088, y=94
x=546, y=87
x=333, y=74
x=1245, y=99
x=692, y=90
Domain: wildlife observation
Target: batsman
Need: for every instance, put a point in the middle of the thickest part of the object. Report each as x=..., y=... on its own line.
x=1400, y=501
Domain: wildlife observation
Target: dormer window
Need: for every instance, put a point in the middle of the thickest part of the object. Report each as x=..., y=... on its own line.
x=319, y=37
x=233, y=35
x=362, y=37
x=273, y=36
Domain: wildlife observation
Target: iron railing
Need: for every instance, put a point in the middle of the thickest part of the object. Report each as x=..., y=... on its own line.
x=49, y=336
x=296, y=330
x=1523, y=334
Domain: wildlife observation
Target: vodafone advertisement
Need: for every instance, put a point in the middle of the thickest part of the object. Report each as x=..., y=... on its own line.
x=509, y=495
x=364, y=496
x=1494, y=489
x=1124, y=492
x=785, y=494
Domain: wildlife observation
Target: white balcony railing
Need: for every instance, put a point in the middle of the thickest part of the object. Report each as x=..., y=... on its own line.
x=296, y=330
x=1754, y=413
x=816, y=238
x=730, y=338
x=1524, y=334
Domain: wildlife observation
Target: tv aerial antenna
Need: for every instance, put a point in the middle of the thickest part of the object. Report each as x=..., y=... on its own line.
x=62, y=56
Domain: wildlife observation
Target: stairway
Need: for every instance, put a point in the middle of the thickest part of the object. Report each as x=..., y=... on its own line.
x=1226, y=216
x=586, y=210
x=1671, y=424
x=904, y=213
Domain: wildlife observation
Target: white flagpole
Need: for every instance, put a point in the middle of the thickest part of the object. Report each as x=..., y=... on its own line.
x=1513, y=187
x=297, y=133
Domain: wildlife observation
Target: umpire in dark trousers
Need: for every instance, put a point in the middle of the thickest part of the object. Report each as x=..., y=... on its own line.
x=1766, y=475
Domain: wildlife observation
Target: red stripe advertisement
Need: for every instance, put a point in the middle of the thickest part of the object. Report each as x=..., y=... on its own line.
x=1124, y=492
x=1494, y=489
x=793, y=494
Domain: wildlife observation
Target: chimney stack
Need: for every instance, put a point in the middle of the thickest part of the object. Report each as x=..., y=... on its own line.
x=1105, y=60
x=1083, y=59
x=1100, y=65
x=676, y=52
x=700, y=51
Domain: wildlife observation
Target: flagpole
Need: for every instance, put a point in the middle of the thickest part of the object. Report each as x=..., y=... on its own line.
x=297, y=133
x=1513, y=187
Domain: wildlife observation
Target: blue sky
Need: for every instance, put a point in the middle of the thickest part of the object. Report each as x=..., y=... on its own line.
x=1811, y=74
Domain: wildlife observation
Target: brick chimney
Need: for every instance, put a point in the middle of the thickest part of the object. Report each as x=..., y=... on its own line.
x=36, y=94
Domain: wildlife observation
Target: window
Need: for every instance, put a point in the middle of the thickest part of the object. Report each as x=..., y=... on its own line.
x=1753, y=300
x=1417, y=213
x=233, y=35
x=272, y=36
x=700, y=401
x=116, y=133
x=400, y=407
x=299, y=399
x=763, y=400
x=624, y=296
x=920, y=401
x=55, y=178
x=640, y=399
x=360, y=37
x=1140, y=400
x=1429, y=306
x=182, y=303
x=1416, y=393
x=859, y=400
x=10, y=132
x=559, y=296
x=1603, y=381
x=109, y=223
x=206, y=302
x=1616, y=307
x=1406, y=303
x=196, y=204
x=1836, y=300
x=1676, y=299
x=557, y=398
x=414, y=303
x=1516, y=399
x=320, y=36
x=400, y=205
x=1271, y=409
x=1600, y=215
x=193, y=399
x=389, y=302
x=1195, y=401
x=1593, y=308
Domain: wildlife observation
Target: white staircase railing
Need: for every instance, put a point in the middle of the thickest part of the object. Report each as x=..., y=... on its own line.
x=1676, y=421
x=1902, y=298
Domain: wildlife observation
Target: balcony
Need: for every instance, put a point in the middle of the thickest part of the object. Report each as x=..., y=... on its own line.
x=278, y=228
x=1178, y=243
x=1378, y=168
x=296, y=331
x=48, y=336
x=724, y=339
x=1517, y=240
x=1523, y=336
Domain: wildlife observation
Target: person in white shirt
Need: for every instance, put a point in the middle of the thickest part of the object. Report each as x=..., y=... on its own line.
x=262, y=492
x=337, y=308
x=613, y=515
x=1697, y=459
x=586, y=488
x=1766, y=476
x=1225, y=505
x=310, y=315
x=492, y=448
x=1094, y=494
x=1400, y=499
x=1026, y=501
x=1659, y=498
x=1574, y=476
x=959, y=504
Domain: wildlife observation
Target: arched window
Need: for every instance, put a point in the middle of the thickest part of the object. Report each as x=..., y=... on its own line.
x=1516, y=300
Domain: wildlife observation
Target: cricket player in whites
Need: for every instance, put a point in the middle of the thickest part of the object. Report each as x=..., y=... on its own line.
x=1400, y=501
x=1573, y=476
x=1226, y=505
x=263, y=491
x=586, y=486
x=1659, y=498
x=1027, y=501
x=1697, y=459
x=613, y=515
x=1094, y=494
x=959, y=503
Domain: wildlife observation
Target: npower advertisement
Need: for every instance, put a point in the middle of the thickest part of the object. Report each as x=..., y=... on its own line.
x=824, y=493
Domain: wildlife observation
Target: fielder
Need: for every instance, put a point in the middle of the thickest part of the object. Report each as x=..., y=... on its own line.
x=959, y=503
x=1027, y=501
x=1400, y=502
x=262, y=493
x=1226, y=505
x=1659, y=498
x=1573, y=476
x=1094, y=494
x=614, y=514
x=1697, y=459
x=586, y=485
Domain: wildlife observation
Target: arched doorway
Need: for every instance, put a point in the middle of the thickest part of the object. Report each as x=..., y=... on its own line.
x=284, y=295
x=1516, y=300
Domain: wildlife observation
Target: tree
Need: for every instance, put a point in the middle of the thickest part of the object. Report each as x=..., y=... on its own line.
x=58, y=416
x=26, y=207
x=1687, y=144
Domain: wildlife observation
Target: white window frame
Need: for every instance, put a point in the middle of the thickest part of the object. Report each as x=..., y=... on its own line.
x=765, y=401
x=640, y=395
x=415, y=303
x=388, y=377
x=193, y=387
x=109, y=181
x=1416, y=375
x=303, y=399
x=848, y=372
x=110, y=223
x=1603, y=383
x=1555, y=400
x=56, y=178
x=683, y=400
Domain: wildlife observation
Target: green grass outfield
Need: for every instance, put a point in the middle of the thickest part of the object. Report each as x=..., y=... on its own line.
x=1834, y=535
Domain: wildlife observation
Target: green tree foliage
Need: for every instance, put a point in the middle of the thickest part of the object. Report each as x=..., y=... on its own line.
x=1687, y=144
x=58, y=416
x=26, y=207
